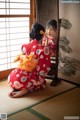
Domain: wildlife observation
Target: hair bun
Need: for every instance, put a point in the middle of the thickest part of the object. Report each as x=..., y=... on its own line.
x=37, y=31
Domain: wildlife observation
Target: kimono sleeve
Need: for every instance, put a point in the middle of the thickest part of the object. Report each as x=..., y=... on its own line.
x=44, y=62
x=25, y=48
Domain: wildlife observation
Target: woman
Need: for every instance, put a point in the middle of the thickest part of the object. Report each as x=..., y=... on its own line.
x=50, y=39
x=22, y=81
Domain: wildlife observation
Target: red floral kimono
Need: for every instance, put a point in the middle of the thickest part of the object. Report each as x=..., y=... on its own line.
x=52, y=45
x=20, y=79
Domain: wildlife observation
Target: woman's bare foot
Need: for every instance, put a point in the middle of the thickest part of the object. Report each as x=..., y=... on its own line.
x=17, y=93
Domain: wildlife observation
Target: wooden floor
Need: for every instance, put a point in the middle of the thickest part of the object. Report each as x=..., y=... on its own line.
x=54, y=103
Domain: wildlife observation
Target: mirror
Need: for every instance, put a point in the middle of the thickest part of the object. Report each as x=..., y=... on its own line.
x=67, y=15
x=47, y=10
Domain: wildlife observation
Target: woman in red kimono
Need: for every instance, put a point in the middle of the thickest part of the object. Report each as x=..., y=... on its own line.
x=22, y=81
x=50, y=39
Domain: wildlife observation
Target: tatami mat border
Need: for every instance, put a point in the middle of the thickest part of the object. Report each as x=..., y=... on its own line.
x=42, y=117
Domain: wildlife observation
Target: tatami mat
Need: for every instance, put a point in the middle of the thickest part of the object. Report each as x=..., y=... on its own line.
x=10, y=105
x=64, y=106
x=24, y=115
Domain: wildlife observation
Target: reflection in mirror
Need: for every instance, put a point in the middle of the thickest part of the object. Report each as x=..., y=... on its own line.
x=48, y=15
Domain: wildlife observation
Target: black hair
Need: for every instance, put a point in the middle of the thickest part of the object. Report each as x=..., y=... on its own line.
x=52, y=23
x=37, y=31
